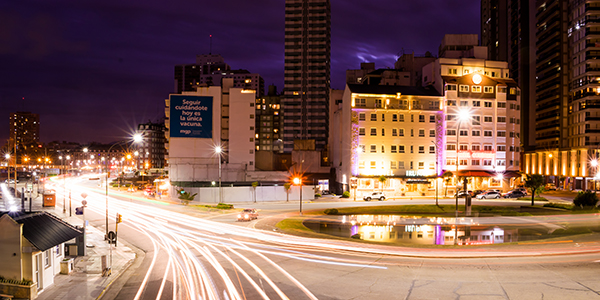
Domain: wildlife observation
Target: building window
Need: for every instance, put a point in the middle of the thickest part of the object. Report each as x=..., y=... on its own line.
x=361, y=131
x=394, y=132
x=476, y=133
x=361, y=164
x=373, y=164
x=400, y=165
x=432, y=119
x=382, y=131
x=373, y=117
x=476, y=89
x=501, y=148
x=411, y=149
x=382, y=148
x=400, y=132
x=487, y=133
x=450, y=162
x=361, y=117
x=378, y=103
x=400, y=148
x=392, y=164
x=412, y=132
x=487, y=104
x=373, y=148
x=451, y=147
x=475, y=147
x=476, y=120
x=501, y=104
x=451, y=87
x=383, y=117
x=421, y=167
x=463, y=162
x=450, y=117
x=476, y=103
x=432, y=133
x=452, y=71
x=488, y=89
x=421, y=132
x=47, y=255
x=394, y=118
x=400, y=118
x=464, y=88
x=464, y=133
x=488, y=119
x=421, y=149
x=464, y=103
x=412, y=118
x=487, y=162
x=475, y=162
x=450, y=132
x=362, y=148
x=463, y=147
x=431, y=149
x=501, y=119
x=451, y=103
x=501, y=162
x=251, y=151
x=373, y=131
x=487, y=147
x=421, y=118
x=361, y=102
x=393, y=149
x=252, y=116
x=501, y=133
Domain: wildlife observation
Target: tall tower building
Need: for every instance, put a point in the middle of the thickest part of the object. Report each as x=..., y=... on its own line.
x=305, y=98
x=507, y=29
x=24, y=130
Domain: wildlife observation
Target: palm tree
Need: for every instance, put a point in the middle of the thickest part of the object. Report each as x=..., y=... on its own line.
x=287, y=187
x=382, y=179
x=447, y=178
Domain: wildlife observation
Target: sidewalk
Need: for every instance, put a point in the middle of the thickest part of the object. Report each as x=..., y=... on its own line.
x=86, y=280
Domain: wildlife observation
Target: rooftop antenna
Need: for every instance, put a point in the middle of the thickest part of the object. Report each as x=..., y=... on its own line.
x=210, y=49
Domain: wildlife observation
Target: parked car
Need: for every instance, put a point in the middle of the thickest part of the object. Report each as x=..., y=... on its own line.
x=489, y=195
x=11, y=181
x=247, y=214
x=550, y=187
x=514, y=194
x=463, y=194
x=522, y=190
x=477, y=192
x=375, y=195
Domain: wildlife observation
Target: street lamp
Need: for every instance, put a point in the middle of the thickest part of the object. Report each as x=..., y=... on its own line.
x=463, y=114
x=7, y=156
x=298, y=181
x=219, y=152
x=437, y=174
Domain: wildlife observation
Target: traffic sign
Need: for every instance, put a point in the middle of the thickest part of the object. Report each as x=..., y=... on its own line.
x=84, y=203
x=112, y=237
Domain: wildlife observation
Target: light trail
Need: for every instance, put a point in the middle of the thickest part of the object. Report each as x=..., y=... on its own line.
x=200, y=267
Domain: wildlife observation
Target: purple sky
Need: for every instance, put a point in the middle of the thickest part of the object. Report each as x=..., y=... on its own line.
x=93, y=70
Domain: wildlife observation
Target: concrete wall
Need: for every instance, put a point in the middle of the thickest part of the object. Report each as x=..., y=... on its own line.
x=245, y=194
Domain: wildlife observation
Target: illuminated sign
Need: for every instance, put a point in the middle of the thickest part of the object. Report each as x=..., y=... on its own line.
x=413, y=228
x=191, y=116
x=477, y=154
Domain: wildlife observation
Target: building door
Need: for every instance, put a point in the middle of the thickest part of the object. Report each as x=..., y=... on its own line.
x=38, y=263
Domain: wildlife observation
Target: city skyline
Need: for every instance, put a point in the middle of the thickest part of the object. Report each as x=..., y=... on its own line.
x=94, y=71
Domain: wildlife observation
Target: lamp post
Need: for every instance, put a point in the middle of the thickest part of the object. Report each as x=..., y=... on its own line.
x=594, y=164
x=437, y=173
x=136, y=138
x=298, y=181
x=7, y=156
x=219, y=152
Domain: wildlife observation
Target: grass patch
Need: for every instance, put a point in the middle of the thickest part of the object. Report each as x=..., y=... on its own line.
x=221, y=207
x=292, y=225
x=559, y=205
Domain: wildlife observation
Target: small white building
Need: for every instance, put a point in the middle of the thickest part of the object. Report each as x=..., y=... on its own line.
x=32, y=246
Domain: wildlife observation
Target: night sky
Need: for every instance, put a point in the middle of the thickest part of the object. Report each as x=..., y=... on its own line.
x=93, y=70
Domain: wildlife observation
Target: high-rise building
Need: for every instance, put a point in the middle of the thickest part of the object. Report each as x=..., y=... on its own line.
x=305, y=99
x=152, y=150
x=209, y=70
x=269, y=125
x=24, y=130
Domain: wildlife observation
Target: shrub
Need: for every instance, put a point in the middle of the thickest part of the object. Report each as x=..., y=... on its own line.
x=356, y=236
x=559, y=205
x=585, y=200
x=346, y=194
x=331, y=211
x=317, y=195
x=224, y=206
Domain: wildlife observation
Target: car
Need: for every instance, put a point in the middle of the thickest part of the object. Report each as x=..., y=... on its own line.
x=514, y=194
x=462, y=194
x=248, y=214
x=550, y=187
x=489, y=195
x=10, y=181
x=477, y=192
x=522, y=190
x=375, y=195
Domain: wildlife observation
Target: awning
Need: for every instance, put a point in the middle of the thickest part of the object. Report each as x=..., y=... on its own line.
x=510, y=174
x=467, y=173
x=417, y=181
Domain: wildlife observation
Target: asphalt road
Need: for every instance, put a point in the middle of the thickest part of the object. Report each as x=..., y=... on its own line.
x=205, y=256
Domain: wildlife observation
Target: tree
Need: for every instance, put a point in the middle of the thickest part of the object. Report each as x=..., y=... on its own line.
x=447, y=178
x=382, y=179
x=254, y=185
x=186, y=197
x=287, y=187
x=585, y=200
x=535, y=182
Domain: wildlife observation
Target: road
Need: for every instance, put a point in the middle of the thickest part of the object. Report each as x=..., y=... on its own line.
x=193, y=256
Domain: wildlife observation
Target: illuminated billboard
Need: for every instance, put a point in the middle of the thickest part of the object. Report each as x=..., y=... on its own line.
x=191, y=116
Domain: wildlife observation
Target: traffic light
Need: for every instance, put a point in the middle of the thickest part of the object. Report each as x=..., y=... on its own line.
x=79, y=210
x=119, y=220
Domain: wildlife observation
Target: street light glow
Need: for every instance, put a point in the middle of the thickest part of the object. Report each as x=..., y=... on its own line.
x=296, y=180
x=464, y=115
x=218, y=149
x=594, y=162
x=137, y=137
x=7, y=156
